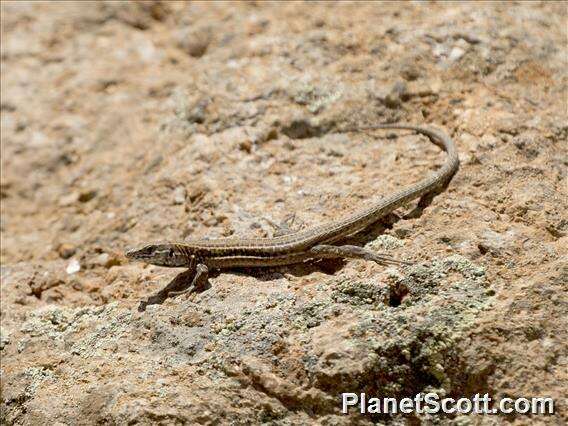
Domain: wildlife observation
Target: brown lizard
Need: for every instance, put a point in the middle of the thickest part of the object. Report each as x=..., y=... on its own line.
x=199, y=255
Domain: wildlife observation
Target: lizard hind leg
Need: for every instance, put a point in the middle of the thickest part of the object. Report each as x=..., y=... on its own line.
x=287, y=226
x=325, y=251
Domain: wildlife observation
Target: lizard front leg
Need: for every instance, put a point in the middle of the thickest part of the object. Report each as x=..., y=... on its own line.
x=199, y=280
x=196, y=275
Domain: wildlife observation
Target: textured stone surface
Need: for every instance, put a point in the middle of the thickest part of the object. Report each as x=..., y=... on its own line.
x=124, y=123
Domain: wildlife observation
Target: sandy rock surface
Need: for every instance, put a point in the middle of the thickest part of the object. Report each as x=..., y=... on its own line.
x=126, y=123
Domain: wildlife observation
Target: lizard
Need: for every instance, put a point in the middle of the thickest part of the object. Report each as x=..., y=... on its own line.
x=319, y=242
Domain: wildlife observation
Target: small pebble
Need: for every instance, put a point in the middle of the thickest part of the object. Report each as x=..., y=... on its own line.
x=73, y=267
x=194, y=43
x=66, y=250
x=102, y=259
x=403, y=231
x=456, y=53
x=106, y=260
x=179, y=195
x=245, y=145
x=69, y=199
x=86, y=196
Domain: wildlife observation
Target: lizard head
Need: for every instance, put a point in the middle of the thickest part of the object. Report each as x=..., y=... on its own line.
x=159, y=254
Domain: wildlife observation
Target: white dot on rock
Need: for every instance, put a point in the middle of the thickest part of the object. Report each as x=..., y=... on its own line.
x=456, y=54
x=74, y=266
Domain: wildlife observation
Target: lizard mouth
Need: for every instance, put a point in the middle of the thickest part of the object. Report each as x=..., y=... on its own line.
x=131, y=254
x=136, y=254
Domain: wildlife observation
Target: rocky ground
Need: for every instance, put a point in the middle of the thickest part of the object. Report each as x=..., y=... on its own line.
x=124, y=123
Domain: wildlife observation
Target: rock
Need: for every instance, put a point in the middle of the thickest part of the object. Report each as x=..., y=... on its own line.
x=385, y=242
x=106, y=260
x=66, y=250
x=4, y=339
x=179, y=195
x=403, y=231
x=194, y=42
x=90, y=103
x=73, y=266
x=246, y=145
x=87, y=195
x=410, y=72
x=397, y=95
x=456, y=53
x=102, y=259
x=69, y=199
